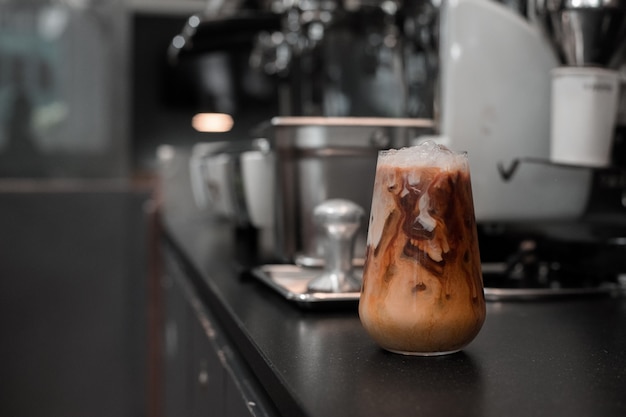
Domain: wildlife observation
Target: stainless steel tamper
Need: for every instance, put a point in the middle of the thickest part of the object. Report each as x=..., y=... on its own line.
x=338, y=221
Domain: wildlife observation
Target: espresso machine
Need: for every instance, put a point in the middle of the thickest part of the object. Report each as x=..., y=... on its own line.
x=550, y=222
x=344, y=73
x=354, y=77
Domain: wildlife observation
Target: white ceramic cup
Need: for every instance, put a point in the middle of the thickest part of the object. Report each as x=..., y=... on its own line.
x=583, y=114
x=257, y=169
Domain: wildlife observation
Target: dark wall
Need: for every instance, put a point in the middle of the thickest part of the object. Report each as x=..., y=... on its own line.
x=73, y=302
x=166, y=97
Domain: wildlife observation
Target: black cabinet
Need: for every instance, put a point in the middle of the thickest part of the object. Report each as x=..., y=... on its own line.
x=207, y=375
x=204, y=376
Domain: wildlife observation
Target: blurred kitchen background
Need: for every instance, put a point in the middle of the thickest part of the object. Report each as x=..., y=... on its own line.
x=97, y=96
x=84, y=102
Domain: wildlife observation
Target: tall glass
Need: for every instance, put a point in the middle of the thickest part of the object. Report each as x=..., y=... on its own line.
x=422, y=288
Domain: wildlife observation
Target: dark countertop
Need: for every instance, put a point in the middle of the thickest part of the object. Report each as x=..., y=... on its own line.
x=545, y=358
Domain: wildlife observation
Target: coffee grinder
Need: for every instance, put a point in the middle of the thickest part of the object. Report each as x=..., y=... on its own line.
x=589, y=36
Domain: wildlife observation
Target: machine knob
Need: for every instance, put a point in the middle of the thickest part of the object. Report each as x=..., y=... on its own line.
x=338, y=221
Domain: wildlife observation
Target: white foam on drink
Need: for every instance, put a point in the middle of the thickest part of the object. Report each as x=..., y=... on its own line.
x=426, y=154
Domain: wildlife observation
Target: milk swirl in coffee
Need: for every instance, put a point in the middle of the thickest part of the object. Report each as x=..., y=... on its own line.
x=422, y=284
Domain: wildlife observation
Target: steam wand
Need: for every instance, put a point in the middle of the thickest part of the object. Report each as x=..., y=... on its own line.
x=507, y=172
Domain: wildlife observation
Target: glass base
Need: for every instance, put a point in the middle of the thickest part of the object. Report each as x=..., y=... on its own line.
x=401, y=352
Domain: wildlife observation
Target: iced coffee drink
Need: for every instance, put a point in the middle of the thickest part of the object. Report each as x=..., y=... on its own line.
x=422, y=288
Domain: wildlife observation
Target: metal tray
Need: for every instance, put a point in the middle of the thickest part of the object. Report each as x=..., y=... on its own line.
x=291, y=282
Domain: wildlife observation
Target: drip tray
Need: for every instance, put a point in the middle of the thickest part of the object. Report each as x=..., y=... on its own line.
x=531, y=294
x=291, y=282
